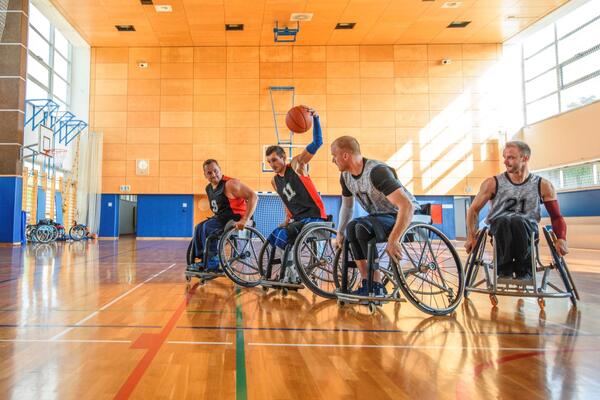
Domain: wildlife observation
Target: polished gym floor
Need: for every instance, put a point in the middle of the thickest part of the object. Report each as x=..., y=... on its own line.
x=116, y=319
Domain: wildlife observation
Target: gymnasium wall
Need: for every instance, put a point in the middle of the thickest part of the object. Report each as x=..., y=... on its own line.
x=437, y=124
x=552, y=141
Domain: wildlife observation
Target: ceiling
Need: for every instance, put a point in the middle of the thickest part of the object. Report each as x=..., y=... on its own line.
x=201, y=22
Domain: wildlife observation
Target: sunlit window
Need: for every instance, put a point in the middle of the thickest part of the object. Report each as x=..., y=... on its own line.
x=574, y=176
x=48, y=61
x=561, y=64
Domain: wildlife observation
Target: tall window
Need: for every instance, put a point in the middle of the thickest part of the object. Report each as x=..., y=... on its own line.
x=561, y=64
x=48, y=61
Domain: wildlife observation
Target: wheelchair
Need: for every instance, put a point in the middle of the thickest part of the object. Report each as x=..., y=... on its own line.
x=540, y=287
x=429, y=275
x=237, y=254
x=308, y=262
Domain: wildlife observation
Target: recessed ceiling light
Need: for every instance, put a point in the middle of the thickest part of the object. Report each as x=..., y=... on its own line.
x=301, y=16
x=345, y=25
x=163, y=8
x=125, y=28
x=458, y=24
x=234, y=27
x=451, y=4
x=146, y=2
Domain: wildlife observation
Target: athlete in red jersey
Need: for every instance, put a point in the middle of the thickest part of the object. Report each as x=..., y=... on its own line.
x=296, y=189
x=229, y=200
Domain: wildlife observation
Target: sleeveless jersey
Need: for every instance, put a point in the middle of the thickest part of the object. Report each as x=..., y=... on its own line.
x=224, y=208
x=371, y=199
x=299, y=195
x=511, y=198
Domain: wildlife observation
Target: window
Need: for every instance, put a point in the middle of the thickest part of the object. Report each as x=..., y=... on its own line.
x=574, y=176
x=561, y=64
x=48, y=61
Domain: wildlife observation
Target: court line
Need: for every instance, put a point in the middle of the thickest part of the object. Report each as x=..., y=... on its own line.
x=152, y=342
x=241, y=387
x=344, y=330
x=411, y=347
x=106, y=341
x=104, y=307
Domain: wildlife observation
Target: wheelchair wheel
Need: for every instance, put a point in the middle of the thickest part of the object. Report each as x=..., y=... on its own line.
x=190, y=258
x=77, y=232
x=314, y=254
x=562, y=267
x=353, y=273
x=475, y=258
x=430, y=273
x=238, y=252
x=272, y=255
x=45, y=233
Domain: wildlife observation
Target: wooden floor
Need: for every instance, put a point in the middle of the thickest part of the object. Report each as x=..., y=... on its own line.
x=117, y=320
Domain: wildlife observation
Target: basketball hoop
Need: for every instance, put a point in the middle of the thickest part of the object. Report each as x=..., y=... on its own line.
x=59, y=156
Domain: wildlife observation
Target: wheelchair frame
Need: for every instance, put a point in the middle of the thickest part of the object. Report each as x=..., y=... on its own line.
x=398, y=277
x=205, y=276
x=537, y=287
x=289, y=261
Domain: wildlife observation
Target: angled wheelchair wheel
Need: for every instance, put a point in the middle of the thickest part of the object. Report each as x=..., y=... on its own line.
x=269, y=261
x=561, y=266
x=77, y=232
x=314, y=254
x=45, y=233
x=352, y=271
x=239, y=254
x=190, y=258
x=430, y=273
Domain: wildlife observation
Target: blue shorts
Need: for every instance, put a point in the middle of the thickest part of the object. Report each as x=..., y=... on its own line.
x=281, y=236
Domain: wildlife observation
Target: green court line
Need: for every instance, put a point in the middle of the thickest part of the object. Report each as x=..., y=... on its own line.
x=240, y=354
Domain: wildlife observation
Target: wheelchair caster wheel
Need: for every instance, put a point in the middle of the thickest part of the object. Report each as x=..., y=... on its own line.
x=341, y=303
x=188, y=278
x=372, y=308
x=265, y=289
x=541, y=303
x=494, y=300
x=284, y=291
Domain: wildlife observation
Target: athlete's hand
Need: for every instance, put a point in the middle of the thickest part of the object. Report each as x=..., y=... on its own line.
x=311, y=111
x=469, y=244
x=339, y=241
x=561, y=247
x=241, y=224
x=394, y=249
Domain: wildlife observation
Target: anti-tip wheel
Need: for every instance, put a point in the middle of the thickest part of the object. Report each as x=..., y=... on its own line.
x=541, y=303
x=372, y=308
x=494, y=300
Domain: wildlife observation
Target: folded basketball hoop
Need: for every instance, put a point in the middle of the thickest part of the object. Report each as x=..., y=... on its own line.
x=59, y=156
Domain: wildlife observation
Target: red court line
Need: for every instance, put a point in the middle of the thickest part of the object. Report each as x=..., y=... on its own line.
x=153, y=342
x=461, y=387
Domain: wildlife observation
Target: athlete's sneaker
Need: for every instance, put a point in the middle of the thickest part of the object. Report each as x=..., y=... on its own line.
x=362, y=289
x=379, y=290
x=213, y=264
x=195, y=267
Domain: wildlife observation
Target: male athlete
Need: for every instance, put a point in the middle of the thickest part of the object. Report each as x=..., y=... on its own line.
x=230, y=200
x=514, y=214
x=389, y=204
x=297, y=191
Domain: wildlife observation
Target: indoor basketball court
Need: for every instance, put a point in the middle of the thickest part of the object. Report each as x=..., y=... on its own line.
x=299, y=200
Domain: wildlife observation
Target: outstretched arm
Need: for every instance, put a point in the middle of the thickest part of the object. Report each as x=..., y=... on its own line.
x=300, y=162
x=486, y=192
x=403, y=218
x=237, y=189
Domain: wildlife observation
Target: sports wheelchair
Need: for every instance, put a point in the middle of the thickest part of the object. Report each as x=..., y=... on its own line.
x=308, y=262
x=482, y=258
x=237, y=255
x=429, y=274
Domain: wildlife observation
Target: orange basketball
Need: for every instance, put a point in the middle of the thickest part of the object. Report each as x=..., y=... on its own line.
x=298, y=119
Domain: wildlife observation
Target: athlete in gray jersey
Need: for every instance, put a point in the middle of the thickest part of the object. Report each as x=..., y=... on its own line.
x=389, y=204
x=511, y=198
x=373, y=200
x=515, y=212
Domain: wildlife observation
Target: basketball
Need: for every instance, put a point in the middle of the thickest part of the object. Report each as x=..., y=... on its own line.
x=298, y=119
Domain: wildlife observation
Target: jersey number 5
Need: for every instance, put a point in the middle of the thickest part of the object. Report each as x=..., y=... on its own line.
x=288, y=192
